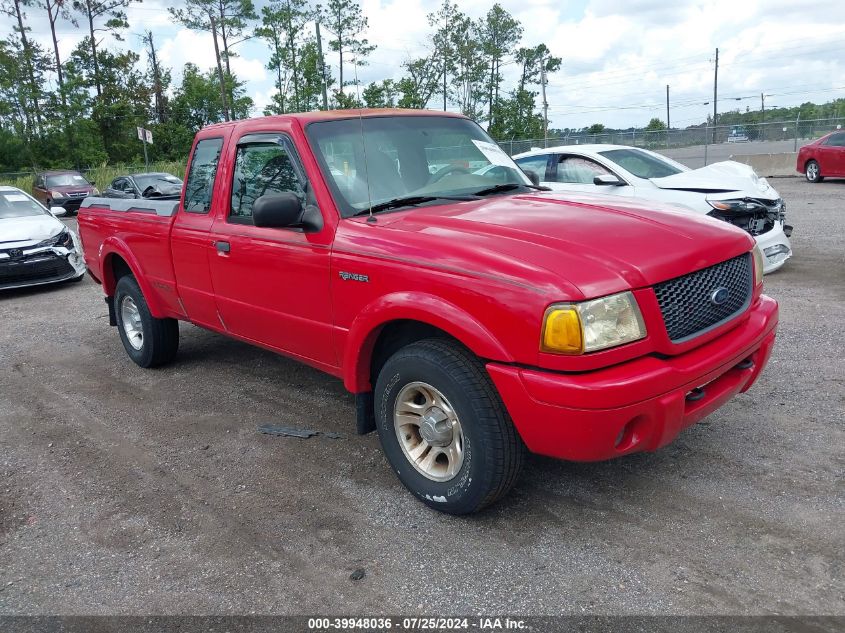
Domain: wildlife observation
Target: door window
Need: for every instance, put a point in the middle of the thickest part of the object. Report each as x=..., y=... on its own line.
x=200, y=182
x=537, y=164
x=261, y=168
x=575, y=169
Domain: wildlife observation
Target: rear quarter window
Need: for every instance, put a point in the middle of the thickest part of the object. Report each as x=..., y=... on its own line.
x=199, y=185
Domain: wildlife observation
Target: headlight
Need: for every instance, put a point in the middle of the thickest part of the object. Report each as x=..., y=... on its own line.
x=736, y=206
x=56, y=194
x=589, y=326
x=63, y=239
x=758, y=265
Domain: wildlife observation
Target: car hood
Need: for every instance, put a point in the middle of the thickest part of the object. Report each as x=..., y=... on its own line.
x=578, y=244
x=34, y=228
x=162, y=189
x=726, y=176
x=72, y=188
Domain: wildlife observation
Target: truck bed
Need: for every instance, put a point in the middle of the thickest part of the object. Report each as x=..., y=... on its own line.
x=137, y=231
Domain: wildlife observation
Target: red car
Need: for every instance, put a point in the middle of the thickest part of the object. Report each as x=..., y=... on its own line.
x=66, y=189
x=823, y=158
x=473, y=315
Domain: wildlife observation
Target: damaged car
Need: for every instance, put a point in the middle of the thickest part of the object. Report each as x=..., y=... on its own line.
x=159, y=185
x=35, y=247
x=729, y=191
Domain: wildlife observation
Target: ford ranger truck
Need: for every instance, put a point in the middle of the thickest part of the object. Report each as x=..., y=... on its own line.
x=475, y=316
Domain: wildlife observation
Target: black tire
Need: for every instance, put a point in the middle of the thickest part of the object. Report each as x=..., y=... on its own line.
x=493, y=452
x=813, y=172
x=160, y=336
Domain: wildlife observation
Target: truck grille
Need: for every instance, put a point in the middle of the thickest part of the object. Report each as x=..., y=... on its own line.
x=689, y=305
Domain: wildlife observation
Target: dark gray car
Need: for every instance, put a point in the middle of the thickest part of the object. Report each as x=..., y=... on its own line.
x=151, y=185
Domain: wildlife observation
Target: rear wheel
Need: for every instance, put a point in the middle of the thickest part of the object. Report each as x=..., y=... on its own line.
x=147, y=340
x=813, y=172
x=444, y=429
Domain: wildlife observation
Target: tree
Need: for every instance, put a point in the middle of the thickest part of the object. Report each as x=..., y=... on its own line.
x=500, y=34
x=57, y=9
x=381, y=94
x=419, y=84
x=228, y=18
x=445, y=21
x=596, y=128
x=345, y=21
x=655, y=125
x=282, y=26
x=160, y=78
x=32, y=57
x=115, y=15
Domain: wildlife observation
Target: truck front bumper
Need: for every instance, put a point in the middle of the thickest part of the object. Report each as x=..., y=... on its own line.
x=636, y=406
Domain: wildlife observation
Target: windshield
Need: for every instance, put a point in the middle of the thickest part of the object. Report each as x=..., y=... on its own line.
x=370, y=160
x=16, y=204
x=641, y=164
x=163, y=181
x=67, y=180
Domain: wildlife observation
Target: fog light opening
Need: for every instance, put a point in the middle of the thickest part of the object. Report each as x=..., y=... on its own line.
x=629, y=435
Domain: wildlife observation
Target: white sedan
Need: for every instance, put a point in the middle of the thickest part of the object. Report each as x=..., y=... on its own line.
x=729, y=191
x=35, y=247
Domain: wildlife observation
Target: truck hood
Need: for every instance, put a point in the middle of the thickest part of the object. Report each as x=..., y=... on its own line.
x=725, y=177
x=34, y=228
x=578, y=244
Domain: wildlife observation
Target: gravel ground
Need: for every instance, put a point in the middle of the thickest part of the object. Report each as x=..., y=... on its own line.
x=125, y=491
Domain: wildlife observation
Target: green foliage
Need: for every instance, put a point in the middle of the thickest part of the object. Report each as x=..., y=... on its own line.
x=596, y=128
x=655, y=125
x=345, y=21
x=102, y=174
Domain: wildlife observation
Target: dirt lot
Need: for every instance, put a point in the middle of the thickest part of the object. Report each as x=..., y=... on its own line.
x=131, y=491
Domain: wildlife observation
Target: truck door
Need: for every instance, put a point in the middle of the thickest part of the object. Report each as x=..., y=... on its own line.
x=272, y=284
x=190, y=239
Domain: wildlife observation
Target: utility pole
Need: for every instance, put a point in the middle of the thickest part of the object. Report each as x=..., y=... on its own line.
x=322, y=65
x=545, y=103
x=715, y=94
x=668, y=121
x=762, y=106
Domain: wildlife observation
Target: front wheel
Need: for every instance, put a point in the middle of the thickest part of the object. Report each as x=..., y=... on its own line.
x=813, y=172
x=444, y=428
x=147, y=340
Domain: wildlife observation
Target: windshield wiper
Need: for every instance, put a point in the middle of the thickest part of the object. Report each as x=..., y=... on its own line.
x=408, y=201
x=510, y=186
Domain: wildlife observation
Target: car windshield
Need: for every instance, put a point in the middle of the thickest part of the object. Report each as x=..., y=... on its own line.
x=368, y=161
x=67, y=180
x=16, y=204
x=165, y=181
x=641, y=164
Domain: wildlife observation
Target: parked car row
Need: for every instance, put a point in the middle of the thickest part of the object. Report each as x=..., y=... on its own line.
x=67, y=189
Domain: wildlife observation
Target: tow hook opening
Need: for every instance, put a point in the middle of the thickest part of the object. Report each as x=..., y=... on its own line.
x=746, y=364
x=696, y=394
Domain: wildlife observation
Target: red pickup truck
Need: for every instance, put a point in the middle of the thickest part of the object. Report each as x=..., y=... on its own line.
x=473, y=314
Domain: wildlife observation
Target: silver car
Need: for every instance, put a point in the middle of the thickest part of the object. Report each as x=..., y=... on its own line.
x=35, y=247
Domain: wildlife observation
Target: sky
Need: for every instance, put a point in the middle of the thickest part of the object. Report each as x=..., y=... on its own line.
x=618, y=55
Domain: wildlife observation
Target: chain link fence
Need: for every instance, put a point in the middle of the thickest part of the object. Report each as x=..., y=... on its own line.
x=785, y=136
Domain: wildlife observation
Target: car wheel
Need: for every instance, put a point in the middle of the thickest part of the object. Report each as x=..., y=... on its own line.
x=444, y=428
x=813, y=172
x=148, y=341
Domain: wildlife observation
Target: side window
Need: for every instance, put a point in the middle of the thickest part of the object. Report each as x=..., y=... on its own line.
x=836, y=140
x=537, y=164
x=199, y=184
x=117, y=184
x=574, y=169
x=261, y=168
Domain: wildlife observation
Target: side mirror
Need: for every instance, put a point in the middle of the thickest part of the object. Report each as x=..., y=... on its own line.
x=533, y=176
x=608, y=180
x=58, y=211
x=277, y=210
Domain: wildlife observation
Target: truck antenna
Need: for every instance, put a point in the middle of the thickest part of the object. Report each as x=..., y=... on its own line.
x=371, y=218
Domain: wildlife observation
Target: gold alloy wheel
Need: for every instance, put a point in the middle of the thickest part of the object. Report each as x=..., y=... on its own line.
x=429, y=431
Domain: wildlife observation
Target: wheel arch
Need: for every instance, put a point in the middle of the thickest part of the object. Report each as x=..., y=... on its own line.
x=402, y=318
x=118, y=261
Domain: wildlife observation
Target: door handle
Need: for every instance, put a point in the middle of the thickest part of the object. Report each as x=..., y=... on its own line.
x=222, y=247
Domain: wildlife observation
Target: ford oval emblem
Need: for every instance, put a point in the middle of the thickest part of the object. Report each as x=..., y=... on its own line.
x=719, y=296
